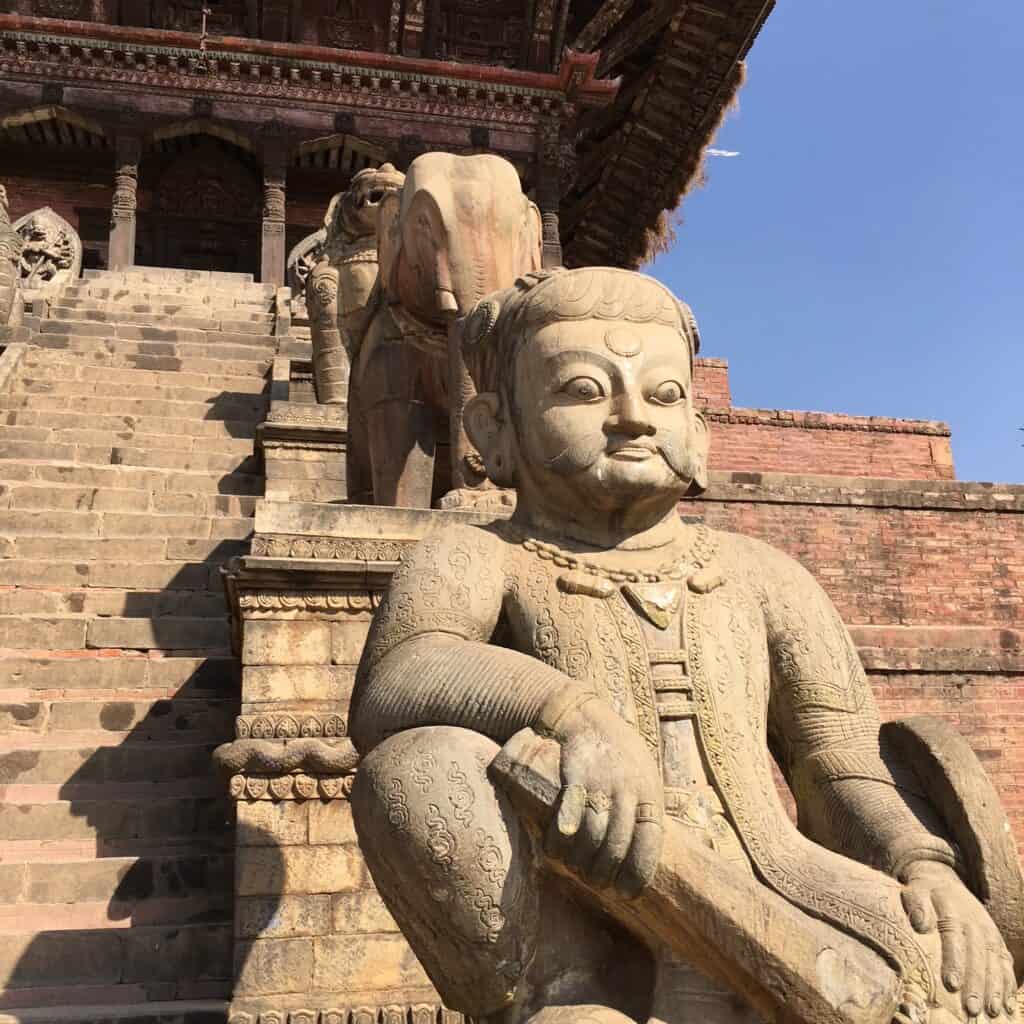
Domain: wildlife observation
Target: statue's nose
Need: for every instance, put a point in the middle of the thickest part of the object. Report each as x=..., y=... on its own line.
x=630, y=416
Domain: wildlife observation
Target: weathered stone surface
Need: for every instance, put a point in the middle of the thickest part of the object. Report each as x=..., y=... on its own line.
x=281, y=917
x=274, y=823
x=361, y=913
x=263, y=871
x=374, y=962
x=275, y=642
x=272, y=683
x=265, y=966
x=331, y=822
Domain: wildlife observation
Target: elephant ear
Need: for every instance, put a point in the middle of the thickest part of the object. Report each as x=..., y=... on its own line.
x=389, y=241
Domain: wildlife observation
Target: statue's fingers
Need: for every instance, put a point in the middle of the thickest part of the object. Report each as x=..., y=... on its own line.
x=641, y=862
x=993, y=983
x=918, y=906
x=566, y=821
x=590, y=836
x=954, y=945
x=1009, y=984
x=974, y=975
x=617, y=840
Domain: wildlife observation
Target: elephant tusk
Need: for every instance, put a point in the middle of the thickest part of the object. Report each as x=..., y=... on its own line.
x=446, y=301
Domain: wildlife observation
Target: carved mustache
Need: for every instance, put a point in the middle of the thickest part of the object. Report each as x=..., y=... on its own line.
x=582, y=455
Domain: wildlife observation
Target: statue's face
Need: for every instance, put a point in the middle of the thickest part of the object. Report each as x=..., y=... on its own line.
x=604, y=411
x=362, y=203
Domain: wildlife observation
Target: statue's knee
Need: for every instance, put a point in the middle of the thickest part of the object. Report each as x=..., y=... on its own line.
x=450, y=857
x=586, y=1013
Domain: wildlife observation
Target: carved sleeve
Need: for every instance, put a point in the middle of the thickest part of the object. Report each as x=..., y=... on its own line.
x=427, y=659
x=824, y=728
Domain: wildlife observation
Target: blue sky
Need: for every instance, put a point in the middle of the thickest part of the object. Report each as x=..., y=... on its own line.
x=864, y=252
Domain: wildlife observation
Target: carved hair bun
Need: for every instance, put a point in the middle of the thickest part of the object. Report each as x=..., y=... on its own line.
x=479, y=323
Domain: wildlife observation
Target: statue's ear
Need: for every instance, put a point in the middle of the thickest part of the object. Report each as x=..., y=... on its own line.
x=489, y=434
x=388, y=239
x=699, y=447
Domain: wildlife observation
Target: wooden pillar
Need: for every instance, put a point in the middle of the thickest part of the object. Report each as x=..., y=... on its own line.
x=121, y=252
x=273, y=255
x=555, y=154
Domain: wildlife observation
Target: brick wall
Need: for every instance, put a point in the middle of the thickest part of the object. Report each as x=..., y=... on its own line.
x=930, y=578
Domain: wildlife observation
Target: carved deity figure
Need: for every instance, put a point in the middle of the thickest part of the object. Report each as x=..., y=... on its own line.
x=338, y=287
x=569, y=723
x=51, y=255
x=10, y=261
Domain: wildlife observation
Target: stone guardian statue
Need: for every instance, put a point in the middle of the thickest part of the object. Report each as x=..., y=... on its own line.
x=568, y=723
x=339, y=286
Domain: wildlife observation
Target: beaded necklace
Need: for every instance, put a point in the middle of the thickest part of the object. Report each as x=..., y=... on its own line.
x=695, y=556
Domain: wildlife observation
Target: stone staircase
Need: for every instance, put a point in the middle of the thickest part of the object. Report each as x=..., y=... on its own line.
x=127, y=477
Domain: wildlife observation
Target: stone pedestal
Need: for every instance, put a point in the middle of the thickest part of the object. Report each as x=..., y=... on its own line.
x=303, y=444
x=314, y=943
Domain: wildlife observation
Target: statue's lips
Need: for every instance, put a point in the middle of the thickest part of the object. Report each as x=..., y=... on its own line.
x=632, y=452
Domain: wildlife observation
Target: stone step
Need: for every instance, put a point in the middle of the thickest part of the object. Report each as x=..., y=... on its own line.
x=240, y=447
x=176, y=297
x=22, y=523
x=253, y=403
x=86, y=337
x=89, y=1009
x=53, y=365
x=182, y=274
x=98, y=602
x=73, y=673
x=142, y=576
x=46, y=722
x=252, y=408
x=124, y=965
x=71, y=632
x=142, y=315
x=152, y=291
x=118, y=477
x=126, y=455
x=186, y=428
x=54, y=497
x=100, y=356
x=110, y=760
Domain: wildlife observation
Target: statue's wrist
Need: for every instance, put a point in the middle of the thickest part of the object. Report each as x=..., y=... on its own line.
x=931, y=850
x=559, y=708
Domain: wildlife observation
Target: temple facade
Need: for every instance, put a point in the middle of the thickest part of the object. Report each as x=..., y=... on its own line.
x=178, y=567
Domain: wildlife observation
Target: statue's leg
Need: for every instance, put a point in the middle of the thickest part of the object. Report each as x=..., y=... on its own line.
x=499, y=937
x=401, y=427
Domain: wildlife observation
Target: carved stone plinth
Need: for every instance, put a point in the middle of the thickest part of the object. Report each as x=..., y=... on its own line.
x=303, y=443
x=313, y=939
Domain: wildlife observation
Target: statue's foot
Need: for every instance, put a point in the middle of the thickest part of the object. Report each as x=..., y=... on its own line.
x=499, y=500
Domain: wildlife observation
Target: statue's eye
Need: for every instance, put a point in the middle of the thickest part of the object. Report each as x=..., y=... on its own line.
x=583, y=389
x=669, y=392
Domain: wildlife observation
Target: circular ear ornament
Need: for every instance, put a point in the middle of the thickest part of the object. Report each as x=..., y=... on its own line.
x=480, y=322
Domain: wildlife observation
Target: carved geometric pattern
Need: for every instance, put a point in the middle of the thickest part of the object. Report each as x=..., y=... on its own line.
x=289, y=726
x=308, y=601
x=293, y=786
x=328, y=548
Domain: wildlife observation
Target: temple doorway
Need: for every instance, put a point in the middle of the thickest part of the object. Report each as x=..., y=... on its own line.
x=200, y=206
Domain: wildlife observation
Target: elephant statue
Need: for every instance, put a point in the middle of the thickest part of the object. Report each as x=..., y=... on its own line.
x=339, y=286
x=458, y=229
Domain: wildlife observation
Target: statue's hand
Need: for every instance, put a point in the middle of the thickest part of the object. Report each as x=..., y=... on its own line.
x=607, y=825
x=975, y=961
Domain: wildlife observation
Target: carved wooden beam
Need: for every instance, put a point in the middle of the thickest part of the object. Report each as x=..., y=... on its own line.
x=634, y=35
x=610, y=12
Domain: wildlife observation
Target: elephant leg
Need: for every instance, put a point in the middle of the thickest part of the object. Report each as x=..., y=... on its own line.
x=358, y=479
x=401, y=438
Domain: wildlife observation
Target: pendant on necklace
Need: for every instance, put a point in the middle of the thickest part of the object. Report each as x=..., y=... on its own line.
x=657, y=602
